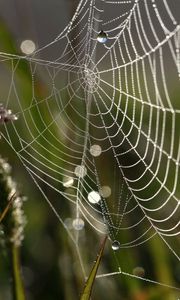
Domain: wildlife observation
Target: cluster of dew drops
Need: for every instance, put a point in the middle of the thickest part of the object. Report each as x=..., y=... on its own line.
x=81, y=171
x=102, y=38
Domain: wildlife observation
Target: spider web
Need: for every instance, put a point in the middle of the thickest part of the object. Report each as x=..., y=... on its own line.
x=101, y=124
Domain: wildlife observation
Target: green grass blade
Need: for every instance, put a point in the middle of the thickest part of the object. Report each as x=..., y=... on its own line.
x=90, y=281
x=19, y=293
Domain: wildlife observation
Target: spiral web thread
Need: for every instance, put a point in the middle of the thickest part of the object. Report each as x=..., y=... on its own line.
x=105, y=117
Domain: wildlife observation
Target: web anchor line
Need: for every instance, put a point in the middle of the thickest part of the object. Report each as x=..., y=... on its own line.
x=120, y=272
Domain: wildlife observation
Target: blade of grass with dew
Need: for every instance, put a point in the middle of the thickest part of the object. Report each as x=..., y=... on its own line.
x=18, y=284
x=12, y=220
x=86, y=294
x=18, y=287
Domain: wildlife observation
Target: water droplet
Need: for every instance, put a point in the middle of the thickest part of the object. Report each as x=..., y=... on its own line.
x=78, y=224
x=139, y=271
x=28, y=47
x=102, y=37
x=68, y=181
x=105, y=191
x=115, y=245
x=68, y=223
x=95, y=150
x=94, y=197
x=80, y=171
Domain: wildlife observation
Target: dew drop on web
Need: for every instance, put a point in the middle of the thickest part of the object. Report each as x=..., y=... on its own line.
x=102, y=37
x=105, y=191
x=80, y=171
x=28, y=47
x=78, y=224
x=94, y=197
x=139, y=271
x=115, y=245
x=68, y=182
x=95, y=150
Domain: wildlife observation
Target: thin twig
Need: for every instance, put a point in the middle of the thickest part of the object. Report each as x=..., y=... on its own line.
x=7, y=207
